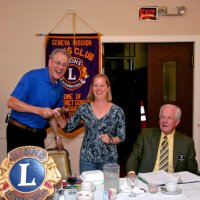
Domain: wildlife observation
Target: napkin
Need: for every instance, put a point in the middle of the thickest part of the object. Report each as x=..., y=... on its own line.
x=95, y=176
x=126, y=188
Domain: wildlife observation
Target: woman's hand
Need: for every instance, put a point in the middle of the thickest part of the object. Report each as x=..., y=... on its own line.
x=105, y=138
x=109, y=140
x=57, y=112
x=59, y=117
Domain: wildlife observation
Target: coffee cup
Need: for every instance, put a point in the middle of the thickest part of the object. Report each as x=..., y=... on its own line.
x=171, y=186
x=87, y=186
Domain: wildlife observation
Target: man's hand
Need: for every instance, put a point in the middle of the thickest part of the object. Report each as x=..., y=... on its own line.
x=46, y=112
x=131, y=173
x=59, y=144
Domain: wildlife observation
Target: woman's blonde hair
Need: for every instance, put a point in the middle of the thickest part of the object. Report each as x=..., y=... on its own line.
x=90, y=95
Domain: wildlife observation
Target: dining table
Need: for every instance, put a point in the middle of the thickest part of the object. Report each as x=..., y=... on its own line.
x=188, y=191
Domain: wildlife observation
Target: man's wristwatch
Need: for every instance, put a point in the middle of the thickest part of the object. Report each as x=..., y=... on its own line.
x=57, y=138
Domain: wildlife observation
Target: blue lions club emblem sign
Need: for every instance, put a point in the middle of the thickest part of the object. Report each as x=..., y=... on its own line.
x=28, y=173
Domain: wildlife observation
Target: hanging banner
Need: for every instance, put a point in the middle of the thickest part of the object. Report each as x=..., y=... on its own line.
x=84, y=64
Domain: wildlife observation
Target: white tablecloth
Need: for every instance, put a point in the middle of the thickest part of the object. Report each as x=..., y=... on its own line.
x=189, y=191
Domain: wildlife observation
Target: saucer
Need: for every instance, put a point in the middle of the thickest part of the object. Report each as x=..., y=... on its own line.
x=163, y=190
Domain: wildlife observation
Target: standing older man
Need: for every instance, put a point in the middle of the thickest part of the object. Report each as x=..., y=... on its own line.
x=164, y=148
x=33, y=100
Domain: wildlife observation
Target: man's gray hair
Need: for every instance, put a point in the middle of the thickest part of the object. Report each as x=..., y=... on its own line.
x=60, y=50
x=178, y=110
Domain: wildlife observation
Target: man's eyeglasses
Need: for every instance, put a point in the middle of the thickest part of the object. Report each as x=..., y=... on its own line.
x=162, y=117
x=60, y=64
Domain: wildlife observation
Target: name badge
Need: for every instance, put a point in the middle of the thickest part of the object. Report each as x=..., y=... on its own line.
x=181, y=157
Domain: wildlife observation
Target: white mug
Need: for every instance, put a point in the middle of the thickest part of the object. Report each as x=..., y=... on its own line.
x=87, y=186
x=171, y=186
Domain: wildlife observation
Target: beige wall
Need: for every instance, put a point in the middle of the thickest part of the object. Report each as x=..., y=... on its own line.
x=21, y=50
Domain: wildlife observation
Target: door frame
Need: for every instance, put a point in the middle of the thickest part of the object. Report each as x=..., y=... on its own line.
x=174, y=38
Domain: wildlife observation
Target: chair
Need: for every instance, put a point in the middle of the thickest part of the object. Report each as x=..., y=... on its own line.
x=62, y=160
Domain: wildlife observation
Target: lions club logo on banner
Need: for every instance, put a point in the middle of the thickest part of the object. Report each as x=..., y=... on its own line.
x=76, y=74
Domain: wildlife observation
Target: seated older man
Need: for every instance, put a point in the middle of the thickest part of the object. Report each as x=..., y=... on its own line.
x=163, y=148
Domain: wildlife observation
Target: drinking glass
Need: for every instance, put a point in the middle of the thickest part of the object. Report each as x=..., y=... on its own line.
x=132, y=180
x=72, y=178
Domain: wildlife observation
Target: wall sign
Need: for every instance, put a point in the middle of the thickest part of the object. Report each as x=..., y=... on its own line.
x=28, y=173
x=148, y=13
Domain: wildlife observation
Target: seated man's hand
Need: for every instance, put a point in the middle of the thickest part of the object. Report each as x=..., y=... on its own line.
x=131, y=173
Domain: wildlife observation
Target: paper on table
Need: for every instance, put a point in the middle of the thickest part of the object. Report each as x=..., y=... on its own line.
x=188, y=177
x=159, y=177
